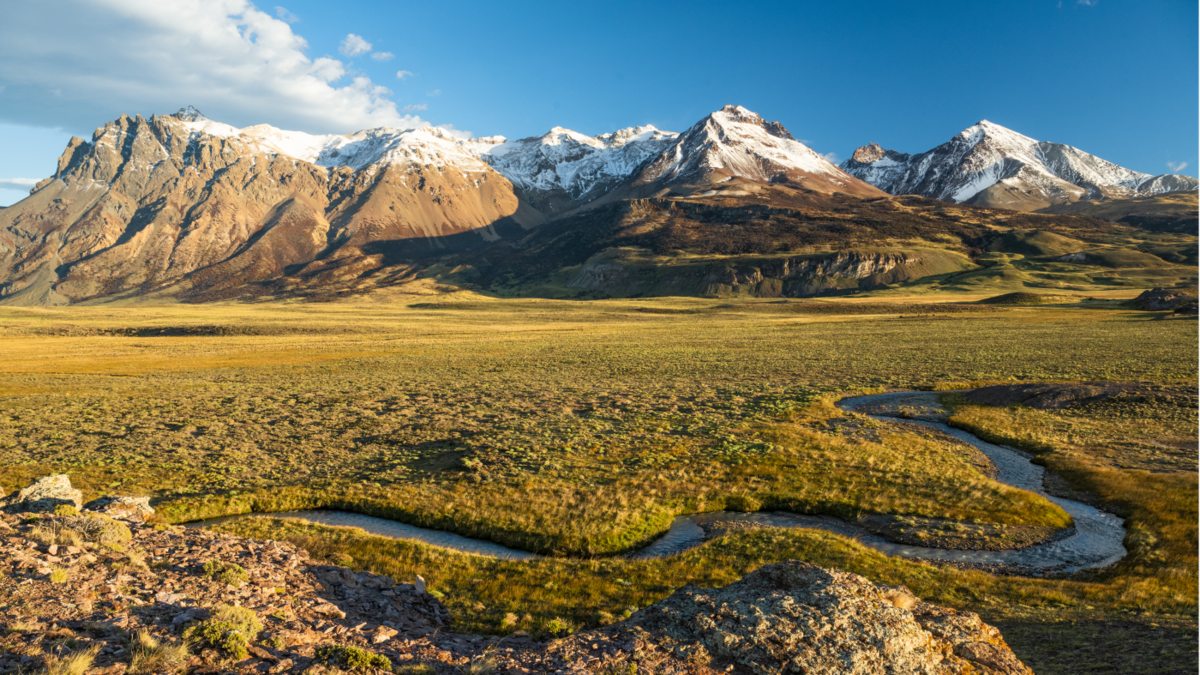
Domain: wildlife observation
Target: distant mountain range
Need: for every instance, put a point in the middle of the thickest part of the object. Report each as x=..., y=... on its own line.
x=186, y=207
x=989, y=165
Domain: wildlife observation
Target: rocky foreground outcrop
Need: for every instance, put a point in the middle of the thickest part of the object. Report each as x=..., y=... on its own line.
x=793, y=617
x=43, y=496
x=126, y=596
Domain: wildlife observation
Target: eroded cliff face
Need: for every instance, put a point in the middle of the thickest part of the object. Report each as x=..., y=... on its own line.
x=788, y=276
x=148, y=204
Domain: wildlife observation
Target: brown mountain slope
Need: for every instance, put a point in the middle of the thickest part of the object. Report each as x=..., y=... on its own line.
x=148, y=202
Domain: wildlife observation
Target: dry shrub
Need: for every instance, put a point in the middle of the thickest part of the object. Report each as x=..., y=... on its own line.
x=75, y=663
x=74, y=530
x=151, y=655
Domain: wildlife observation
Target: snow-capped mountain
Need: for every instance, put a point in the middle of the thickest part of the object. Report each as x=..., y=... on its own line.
x=990, y=165
x=565, y=168
x=553, y=173
x=737, y=143
x=185, y=202
x=425, y=146
x=181, y=199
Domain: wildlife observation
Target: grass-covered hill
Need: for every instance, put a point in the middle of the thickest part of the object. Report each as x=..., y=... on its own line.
x=1170, y=212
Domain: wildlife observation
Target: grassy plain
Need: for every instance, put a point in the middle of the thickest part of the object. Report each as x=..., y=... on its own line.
x=581, y=428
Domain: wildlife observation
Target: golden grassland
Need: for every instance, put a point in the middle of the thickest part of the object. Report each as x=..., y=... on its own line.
x=581, y=428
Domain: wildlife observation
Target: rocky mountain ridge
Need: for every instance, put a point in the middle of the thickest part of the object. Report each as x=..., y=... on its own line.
x=989, y=165
x=183, y=205
x=735, y=143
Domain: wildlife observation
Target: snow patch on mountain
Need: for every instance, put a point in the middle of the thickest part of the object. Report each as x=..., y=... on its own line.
x=573, y=162
x=424, y=146
x=738, y=142
x=987, y=154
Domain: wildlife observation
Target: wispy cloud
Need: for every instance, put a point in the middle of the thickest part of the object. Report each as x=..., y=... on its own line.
x=416, y=107
x=830, y=157
x=17, y=183
x=285, y=15
x=403, y=74
x=383, y=56
x=354, y=45
x=435, y=92
x=1177, y=166
x=1087, y=3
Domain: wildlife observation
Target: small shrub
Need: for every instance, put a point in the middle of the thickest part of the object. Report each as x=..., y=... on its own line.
x=354, y=658
x=228, y=629
x=150, y=655
x=75, y=663
x=59, y=576
x=559, y=627
x=66, y=510
x=230, y=573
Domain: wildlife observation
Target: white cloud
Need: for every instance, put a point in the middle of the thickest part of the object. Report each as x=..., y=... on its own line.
x=416, y=106
x=354, y=45
x=403, y=74
x=383, y=56
x=829, y=157
x=17, y=183
x=239, y=65
x=1177, y=166
x=435, y=92
x=285, y=15
x=457, y=133
x=1088, y=3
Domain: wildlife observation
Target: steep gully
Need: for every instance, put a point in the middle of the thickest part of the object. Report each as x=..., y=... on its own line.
x=1095, y=542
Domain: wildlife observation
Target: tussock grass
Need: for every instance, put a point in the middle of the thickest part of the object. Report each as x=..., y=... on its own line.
x=74, y=663
x=150, y=655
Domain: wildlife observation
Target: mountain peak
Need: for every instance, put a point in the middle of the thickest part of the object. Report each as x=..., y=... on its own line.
x=189, y=114
x=740, y=115
x=871, y=152
x=985, y=129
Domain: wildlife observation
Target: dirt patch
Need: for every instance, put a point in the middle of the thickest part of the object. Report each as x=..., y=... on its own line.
x=1049, y=395
x=1067, y=395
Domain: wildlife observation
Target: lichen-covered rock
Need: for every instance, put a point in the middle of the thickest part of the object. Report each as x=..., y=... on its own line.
x=43, y=496
x=136, y=509
x=794, y=617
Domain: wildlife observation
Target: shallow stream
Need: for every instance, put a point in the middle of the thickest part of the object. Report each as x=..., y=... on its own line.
x=1095, y=542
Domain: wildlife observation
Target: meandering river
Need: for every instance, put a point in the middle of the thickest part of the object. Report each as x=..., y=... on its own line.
x=1096, y=540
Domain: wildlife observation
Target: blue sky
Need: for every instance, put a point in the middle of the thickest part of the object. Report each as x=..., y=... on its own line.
x=1114, y=78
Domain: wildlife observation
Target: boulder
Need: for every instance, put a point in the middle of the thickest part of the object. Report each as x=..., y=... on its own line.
x=794, y=617
x=134, y=509
x=1162, y=299
x=43, y=496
